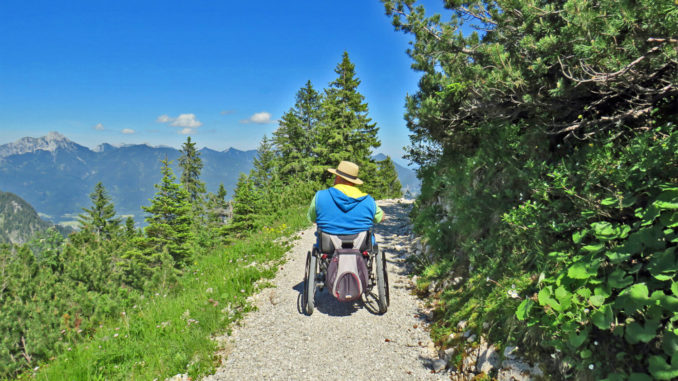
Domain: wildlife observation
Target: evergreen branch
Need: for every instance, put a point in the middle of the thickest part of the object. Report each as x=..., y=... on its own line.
x=25, y=350
x=483, y=16
x=598, y=77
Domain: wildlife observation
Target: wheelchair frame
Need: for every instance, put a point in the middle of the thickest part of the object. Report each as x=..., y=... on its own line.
x=315, y=274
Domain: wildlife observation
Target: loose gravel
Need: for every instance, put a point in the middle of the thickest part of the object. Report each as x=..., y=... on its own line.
x=339, y=341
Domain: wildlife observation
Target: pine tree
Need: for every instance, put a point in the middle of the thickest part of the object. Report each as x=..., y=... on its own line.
x=296, y=136
x=345, y=131
x=264, y=170
x=191, y=165
x=130, y=231
x=100, y=218
x=217, y=206
x=387, y=180
x=169, y=220
x=246, y=204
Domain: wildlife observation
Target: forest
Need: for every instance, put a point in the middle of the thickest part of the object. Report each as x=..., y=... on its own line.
x=546, y=139
x=62, y=295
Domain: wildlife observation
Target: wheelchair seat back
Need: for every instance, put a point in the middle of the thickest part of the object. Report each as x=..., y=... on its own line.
x=328, y=242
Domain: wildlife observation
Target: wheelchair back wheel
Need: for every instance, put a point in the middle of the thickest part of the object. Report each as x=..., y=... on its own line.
x=308, y=298
x=382, y=283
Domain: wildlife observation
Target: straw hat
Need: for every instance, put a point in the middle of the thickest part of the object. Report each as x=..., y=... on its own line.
x=347, y=171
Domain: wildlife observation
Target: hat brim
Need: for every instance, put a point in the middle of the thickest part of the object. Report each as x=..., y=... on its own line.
x=355, y=181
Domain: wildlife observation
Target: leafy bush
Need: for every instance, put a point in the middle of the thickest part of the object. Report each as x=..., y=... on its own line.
x=547, y=144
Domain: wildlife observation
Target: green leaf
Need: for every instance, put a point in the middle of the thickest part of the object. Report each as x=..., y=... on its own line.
x=564, y=297
x=618, y=255
x=593, y=249
x=667, y=302
x=637, y=333
x=585, y=354
x=605, y=231
x=628, y=200
x=661, y=370
x=670, y=342
x=597, y=300
x=577, y=339
x=583, y=270
x=638, y=291
x=544, y=295
x=624, y=231
x=663, y=265
x=524, y=309
x=602, y=317
x=648, y=238
x=649, y=215
x=633, y=298
x=665, y=205
x=609, y=201
x=578, y=236
x=619, y=279
x=585, y=293
x=602, y=290
x=674, y=288
x=545, y=299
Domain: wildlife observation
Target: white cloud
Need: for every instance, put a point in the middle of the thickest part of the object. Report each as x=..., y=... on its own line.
x=127, y=131
x=99, y=127
x=259, y=118
x=164, y=119
x=188, y=121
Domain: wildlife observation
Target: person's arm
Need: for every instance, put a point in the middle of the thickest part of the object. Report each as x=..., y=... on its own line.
x=311, y=214
x=378, y=216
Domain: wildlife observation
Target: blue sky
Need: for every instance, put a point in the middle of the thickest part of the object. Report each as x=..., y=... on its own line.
x=221, y=71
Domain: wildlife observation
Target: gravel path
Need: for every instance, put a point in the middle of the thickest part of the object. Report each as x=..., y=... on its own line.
x=340, y=340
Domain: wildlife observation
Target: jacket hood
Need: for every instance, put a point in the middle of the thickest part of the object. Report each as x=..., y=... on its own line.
x=344, y=202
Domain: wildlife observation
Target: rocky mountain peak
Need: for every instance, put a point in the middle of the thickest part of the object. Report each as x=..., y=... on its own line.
x=51, y=142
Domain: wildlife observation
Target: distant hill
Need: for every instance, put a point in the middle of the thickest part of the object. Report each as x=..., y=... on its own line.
x=18, y=220
x=56, y=175
x=408, y=177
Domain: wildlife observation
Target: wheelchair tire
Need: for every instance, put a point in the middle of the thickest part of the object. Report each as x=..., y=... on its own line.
x=308, y=302
x=382, y=283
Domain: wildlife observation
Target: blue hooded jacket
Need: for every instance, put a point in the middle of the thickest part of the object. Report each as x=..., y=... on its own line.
x=338, y=213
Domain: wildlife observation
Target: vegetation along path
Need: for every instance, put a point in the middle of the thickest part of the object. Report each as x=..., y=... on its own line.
x=339, y=340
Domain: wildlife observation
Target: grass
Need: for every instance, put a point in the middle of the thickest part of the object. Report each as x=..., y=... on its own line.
x=171, y=332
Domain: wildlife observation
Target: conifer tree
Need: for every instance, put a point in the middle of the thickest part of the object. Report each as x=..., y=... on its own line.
x=169, y=220
x=264, y=170
x=388, y=184
x=296, y=136
x=129, y=227
x=191, y=165
x=217, y=206
x=100, y=218
x=345, y=132
x=246, y=202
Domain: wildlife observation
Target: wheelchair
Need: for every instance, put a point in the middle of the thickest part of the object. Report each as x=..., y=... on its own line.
x=320, y=258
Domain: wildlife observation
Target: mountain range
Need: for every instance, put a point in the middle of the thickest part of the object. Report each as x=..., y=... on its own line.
x=56, y=175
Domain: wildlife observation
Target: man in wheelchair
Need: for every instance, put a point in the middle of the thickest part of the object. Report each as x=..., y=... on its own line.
x=345, y=249
x=344, y=209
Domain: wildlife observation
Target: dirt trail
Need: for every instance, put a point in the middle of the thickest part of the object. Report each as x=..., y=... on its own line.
x=339, y=341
